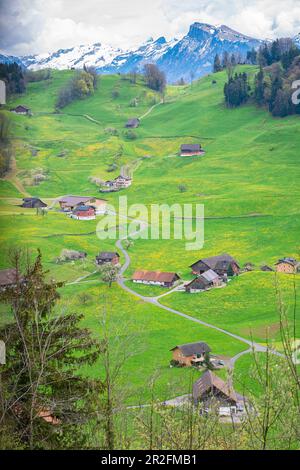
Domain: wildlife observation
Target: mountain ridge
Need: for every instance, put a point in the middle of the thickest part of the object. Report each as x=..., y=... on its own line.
x=192, y=55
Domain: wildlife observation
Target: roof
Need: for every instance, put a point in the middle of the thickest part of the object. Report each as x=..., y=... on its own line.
x=190, y=147
x=217, y=262
x=208, y=380
x=107, y=255
x=20, y=106
x=83, y=208
x=190, y=349
x=288, y=260
x=198, y=282
x=121, y=177
x=32, y=200
x=75, y=200
x=265, y=267
x=8, y=276
x=132, y=122
x=155, y=276
x=210, y=275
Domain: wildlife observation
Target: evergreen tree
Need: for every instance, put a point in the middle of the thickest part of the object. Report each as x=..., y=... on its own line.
x=217, y=64
x=281, y=105
x=43, y=398
x=259, y=87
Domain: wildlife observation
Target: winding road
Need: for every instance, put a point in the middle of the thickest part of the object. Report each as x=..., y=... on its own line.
x=252, y=346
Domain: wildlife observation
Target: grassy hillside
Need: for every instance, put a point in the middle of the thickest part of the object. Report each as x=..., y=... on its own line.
x=248, y=181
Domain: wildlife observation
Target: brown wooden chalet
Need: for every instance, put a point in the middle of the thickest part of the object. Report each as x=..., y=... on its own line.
x=108, y=257
x=188, y=150
x=191, y=353
x=210, y=389
x=287, y=265
x=222, y=264
x=20, y=109
x=132, y=123
x=33, y=203
x=164, y=279
x=205, y=281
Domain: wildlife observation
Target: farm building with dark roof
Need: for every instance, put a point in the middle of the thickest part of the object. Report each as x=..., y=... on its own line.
x=191, y=353
x=108, y=257
x=221, y=264
x=33, y=203
x=132, y=123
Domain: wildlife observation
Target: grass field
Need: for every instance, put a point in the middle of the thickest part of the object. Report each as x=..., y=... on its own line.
x=248, y=181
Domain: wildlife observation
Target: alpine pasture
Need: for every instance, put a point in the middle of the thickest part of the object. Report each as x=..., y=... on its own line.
x=248, y=181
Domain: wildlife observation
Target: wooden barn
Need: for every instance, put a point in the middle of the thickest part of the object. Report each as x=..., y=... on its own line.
x=33, y=203
x=132, y=123
x=191, y=353
x=108, y=257
x=212, y=392
x=158, y=278
x=20, y=109
x=189, y=150
x=205, y=281
x=222, y=265
x=9, y=278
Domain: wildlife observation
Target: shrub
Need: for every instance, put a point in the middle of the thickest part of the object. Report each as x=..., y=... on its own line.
x=130, y=135
x=111, y=131
x=115, y=94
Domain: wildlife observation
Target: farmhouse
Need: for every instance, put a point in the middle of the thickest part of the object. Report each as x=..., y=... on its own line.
x=68, y=203
x=188, y=150
x=157, y=278
x=211, y=392
x=33, y=203
x=8, y=278
x=120, y=182
x=20, y=109
x=222, y=264
x=108, y=257
x=132, y=123
x=83, y=213
x=109, y=187
x=287, y=265
x=205, y=281
x=123, y=181
x=191, y=353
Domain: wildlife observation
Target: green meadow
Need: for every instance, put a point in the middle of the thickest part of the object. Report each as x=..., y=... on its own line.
x=248, y=182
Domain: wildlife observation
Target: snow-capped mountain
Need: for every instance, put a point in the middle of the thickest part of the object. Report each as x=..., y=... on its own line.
x=191, y=55
x=195, y=52
x=97, y=55
x=178, y=58
x=297, y=40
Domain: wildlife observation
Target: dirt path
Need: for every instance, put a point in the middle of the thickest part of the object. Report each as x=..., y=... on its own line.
x=150, y=110
x=11, y=176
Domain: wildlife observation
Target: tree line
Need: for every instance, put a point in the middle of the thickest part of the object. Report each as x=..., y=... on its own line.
x=14, y=78
x=82, y=85
x=279, y=68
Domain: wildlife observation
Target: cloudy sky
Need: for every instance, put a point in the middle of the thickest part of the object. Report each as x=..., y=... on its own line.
x=38, y=26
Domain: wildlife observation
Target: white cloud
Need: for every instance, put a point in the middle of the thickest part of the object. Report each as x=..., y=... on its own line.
x=33, y=26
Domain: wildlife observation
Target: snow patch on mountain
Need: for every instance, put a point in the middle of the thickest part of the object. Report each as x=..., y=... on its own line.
x=192, y=55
